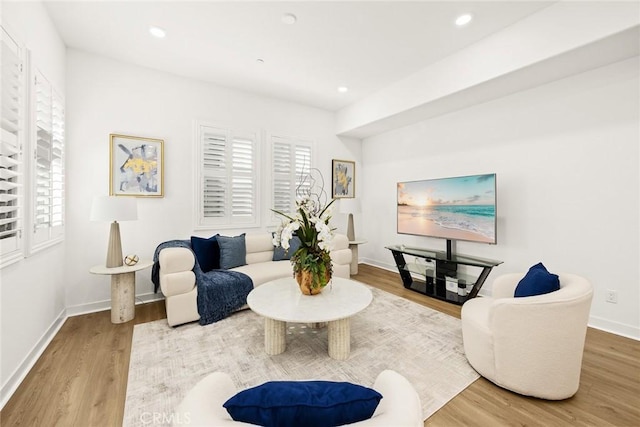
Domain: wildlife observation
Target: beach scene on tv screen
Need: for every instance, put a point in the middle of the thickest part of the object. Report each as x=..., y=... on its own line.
x=461, y=208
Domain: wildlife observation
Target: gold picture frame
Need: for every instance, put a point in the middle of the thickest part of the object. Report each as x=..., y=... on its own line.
x=343, y=179
x=136, y=166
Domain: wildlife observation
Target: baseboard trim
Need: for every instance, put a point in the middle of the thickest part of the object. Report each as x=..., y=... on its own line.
x=78, y=310
x=384, y=266
x=616, y=328
x=19, y=374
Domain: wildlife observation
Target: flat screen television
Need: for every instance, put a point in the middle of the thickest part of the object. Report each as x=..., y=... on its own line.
x=456, y=208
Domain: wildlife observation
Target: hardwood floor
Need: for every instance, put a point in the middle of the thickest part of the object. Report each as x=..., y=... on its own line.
x=81, y=378
x=609, y=393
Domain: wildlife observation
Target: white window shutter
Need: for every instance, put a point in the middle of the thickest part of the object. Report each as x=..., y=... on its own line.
x=243, y=179
x=11, y=166
x=57, y=163
x=214, y=172
x=48, y=169
x=283, y=186
x=214, y=195
x=42, y=155
x=302, y=169
x=291, y=161
x=228, y=178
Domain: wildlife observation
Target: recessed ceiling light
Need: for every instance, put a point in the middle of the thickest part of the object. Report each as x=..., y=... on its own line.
x=157, y=32
x=463, y=19
x=289, y=18
x=343, y=89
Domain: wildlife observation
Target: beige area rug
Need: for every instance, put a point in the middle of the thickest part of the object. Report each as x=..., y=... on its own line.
x=392, y=333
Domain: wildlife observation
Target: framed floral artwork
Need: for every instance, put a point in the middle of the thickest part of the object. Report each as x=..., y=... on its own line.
x=136, y=166
x=343, y=179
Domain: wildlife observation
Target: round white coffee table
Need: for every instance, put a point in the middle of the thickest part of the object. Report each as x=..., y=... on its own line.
x=280, y=301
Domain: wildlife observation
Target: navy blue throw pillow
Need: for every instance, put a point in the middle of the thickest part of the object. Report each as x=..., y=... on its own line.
x=280, y=254
x=303, y=403
x=207, y=252
x=233, y=251
x=537, y=281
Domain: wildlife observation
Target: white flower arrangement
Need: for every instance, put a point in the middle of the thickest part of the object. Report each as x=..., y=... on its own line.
x=310, y=223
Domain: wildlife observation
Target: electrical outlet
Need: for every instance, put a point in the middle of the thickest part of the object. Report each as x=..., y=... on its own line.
x=612, y=296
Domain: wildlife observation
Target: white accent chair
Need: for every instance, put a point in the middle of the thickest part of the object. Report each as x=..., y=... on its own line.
x=202, y=406
x=530, y=345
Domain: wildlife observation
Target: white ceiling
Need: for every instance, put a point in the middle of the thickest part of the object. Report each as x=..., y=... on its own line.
x=362, y=45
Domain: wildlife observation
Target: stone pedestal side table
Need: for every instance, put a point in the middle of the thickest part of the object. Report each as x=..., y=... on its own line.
x=353, y=245
x=123, y=288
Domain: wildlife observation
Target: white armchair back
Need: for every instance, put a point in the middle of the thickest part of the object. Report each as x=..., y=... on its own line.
x=531, y=345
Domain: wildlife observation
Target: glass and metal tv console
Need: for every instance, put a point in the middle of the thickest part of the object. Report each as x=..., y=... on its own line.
x=439, y=275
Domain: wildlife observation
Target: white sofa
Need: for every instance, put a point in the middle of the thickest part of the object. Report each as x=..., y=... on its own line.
x=202, y=406
x=531, y=345
x=178, y=281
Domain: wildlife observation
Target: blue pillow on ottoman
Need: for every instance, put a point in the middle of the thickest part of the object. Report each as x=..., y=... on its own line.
x=537, y=281
x=303, y=403
x=233, y=251
x=207, y=252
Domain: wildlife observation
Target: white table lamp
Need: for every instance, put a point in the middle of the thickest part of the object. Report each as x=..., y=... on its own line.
x=350, y=206
x=108, y=208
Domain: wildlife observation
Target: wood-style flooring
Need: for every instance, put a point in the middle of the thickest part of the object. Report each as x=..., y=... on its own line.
x=81, y=378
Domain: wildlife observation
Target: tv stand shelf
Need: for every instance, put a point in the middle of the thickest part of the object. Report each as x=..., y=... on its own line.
x=437, y=268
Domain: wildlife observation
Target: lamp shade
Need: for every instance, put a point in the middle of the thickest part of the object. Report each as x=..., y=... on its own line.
x=108, y=208
x=349, y=206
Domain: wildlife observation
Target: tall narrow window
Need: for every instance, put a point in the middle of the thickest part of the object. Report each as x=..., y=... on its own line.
x=11, y=171
x=48, y=168
x=228, y=178
x=291, y=161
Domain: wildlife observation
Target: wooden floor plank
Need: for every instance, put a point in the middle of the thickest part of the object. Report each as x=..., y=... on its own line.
x=81, y=378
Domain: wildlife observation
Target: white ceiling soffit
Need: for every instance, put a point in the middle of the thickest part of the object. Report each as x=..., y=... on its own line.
x=608, y=51
x=364, y=46
x=540, y=49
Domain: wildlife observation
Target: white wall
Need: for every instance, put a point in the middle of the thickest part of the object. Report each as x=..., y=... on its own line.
x=566, y=156
x=106, y=96
x=33, y=300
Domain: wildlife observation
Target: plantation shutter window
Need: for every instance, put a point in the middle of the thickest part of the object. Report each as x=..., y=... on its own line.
x=11, y=167
x=228, y=178
x=57, y=163
x=48, y=199
x=302, y=169
x=283, y=185
x=291, y=161
x=243, y=178
x=214, y=173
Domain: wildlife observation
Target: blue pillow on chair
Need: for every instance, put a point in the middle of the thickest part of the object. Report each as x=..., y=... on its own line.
x=233, y=251
x=537, y=281
x=303, y=403
x=280, y=254
x=207, y=252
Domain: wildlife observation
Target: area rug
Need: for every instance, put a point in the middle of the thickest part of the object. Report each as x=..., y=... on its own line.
x=392, y=333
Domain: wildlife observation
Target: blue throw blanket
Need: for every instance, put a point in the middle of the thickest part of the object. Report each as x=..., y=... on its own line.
x=220, y=292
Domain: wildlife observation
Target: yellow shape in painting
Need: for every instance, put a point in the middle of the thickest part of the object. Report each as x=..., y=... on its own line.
x=139, y=165
x=342, y=179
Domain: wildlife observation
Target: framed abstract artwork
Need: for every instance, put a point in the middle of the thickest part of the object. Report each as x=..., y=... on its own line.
x=136, y=166
x=343, y=179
